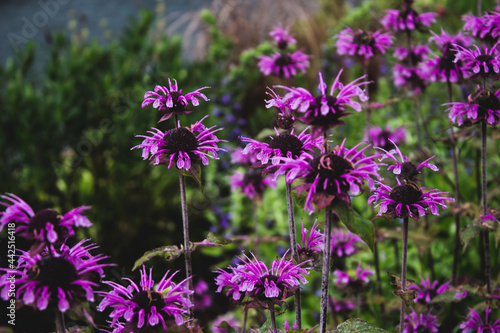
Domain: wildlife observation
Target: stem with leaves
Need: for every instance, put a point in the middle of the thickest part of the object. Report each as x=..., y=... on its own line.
x=325, y=273
x=403, y=274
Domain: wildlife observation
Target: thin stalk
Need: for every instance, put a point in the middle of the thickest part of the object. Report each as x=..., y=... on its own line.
x=486, y=238
x=255, y=228
x=245, y=317
x=293, y=245
x=368, y=109
x=403, y=273
x=377, y=267
x=60, y=324
x=185, y=229
x=273, y=321
x=457, y=193
x=325, y=273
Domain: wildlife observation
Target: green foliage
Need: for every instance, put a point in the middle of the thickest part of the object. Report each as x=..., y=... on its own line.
x=356, y=325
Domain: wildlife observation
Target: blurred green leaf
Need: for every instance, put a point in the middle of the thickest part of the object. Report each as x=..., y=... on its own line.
x=169, y=252
x=357, y=325
x=356, y=223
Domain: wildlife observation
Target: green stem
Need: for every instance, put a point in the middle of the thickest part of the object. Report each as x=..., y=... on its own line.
x=403, y=274
x=325, y=273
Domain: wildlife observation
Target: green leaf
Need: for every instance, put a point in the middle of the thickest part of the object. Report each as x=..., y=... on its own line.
x=169, y=252
x=356, y=223
x=224, y=325
x=471, y=231
x=193, y=172
x=357, y=325
x=266, y=328
x=217, y=239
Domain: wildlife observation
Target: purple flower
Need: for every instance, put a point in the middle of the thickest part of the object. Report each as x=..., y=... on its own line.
x=180, y=145
x=62, y=278
x=417, y=323
x=283, y=145
x=407, y=19
x=237, y=157
x=343, y=243
x=427, y=290
x=172, y=102
x=252, y=183
x=413, y=79
x=364, y=44
x=352, y=281
x=282, y=37
x=285, y=65
x=474, y=323
x=202, y=298
x=407, y=200
x=325, y=110
x=285, y=119
x=229, y=318
x=262, y=285
x=342, y=306
x=382, y=138
x=482, y=105
x=484, y=63
x=443, y=67
x=405, y=169
x=485, y=28
x=146, y=305
x=46, y=227
x=312, y=243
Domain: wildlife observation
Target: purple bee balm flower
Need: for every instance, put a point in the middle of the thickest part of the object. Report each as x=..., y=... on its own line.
x=407, y=200
x=312, y=243
x=482, y=105
x=413, y=56
x=486, y=27
x=282, y=37
x=426, y=291
x=483, y=63
x=352, y=281
x=404, y=168
x=61, y=278
x=382, y=138
x=325, y=110
x=237, y=157
x=332, y=175
x=413, y=79
x=180, y=145
x=407, y=19
x=343, y=243
x=146, y=306
x=202, y=298
x=251, y=183
x=443, y=67
x=364, y=44
x=171, y=101
x=262, y=285
x=474, y=323
x=342, y=306
x=285, y=119
x=416, y=323
x=283, y=145
x=285, y=65
x=46, y=227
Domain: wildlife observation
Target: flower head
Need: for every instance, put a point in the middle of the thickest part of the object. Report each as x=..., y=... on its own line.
x=364, y=44
x=282, y=36
x=484, y=63
x=474, y=323
x=352, y=281
x=407, y=200
x=263, y=285
x=252, y=183
x=385, y=138
x=415, y=323
x=343, y=243
x=443, y=67
x=331, y=175
x=342, y=306
x=405, y=169
x=285, y=118
x=325, y=110
x=61, y=278
x=45, y=227
x=485, y=28
x=171, y=101
x=312, y=243
x=482, y=105
x=407, y=19
x=426, y=291
x=285, y=65
x=180, y=145
x=146, y=305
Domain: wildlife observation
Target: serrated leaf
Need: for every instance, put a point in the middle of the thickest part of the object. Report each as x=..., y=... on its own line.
x=469, y=232
x=357, y=325
x=266, y=328
x=356, y=223
x=396, y=280
x=193, y=172
x=407, y=295
x=217, y=239
x=169, y=252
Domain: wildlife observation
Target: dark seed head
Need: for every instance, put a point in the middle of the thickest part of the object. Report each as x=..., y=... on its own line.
x=408, y=170
x=406, y=194
x=330, y=167
x=180, y=139
x=147, y=298
x=54, y=272
x=363, y=38
x=287, y=143
x=177, y=105
x=40, y=219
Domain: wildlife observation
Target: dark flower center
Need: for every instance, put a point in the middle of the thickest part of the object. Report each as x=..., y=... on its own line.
x=314, y=117
x=330, y=167
x=486, y=101
x=282, y=44
x=485, y=58
x=285, y=122
x=283, y=61
x=254, y=177
x=40, y=219
x=287, y=143
x=147, y=299
x=178, y=106
x=180, y=139
x=446, y=61
x=363, y=38
x=261, y=293
x=406, y=194
x=54, y=272
x=408, y=170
